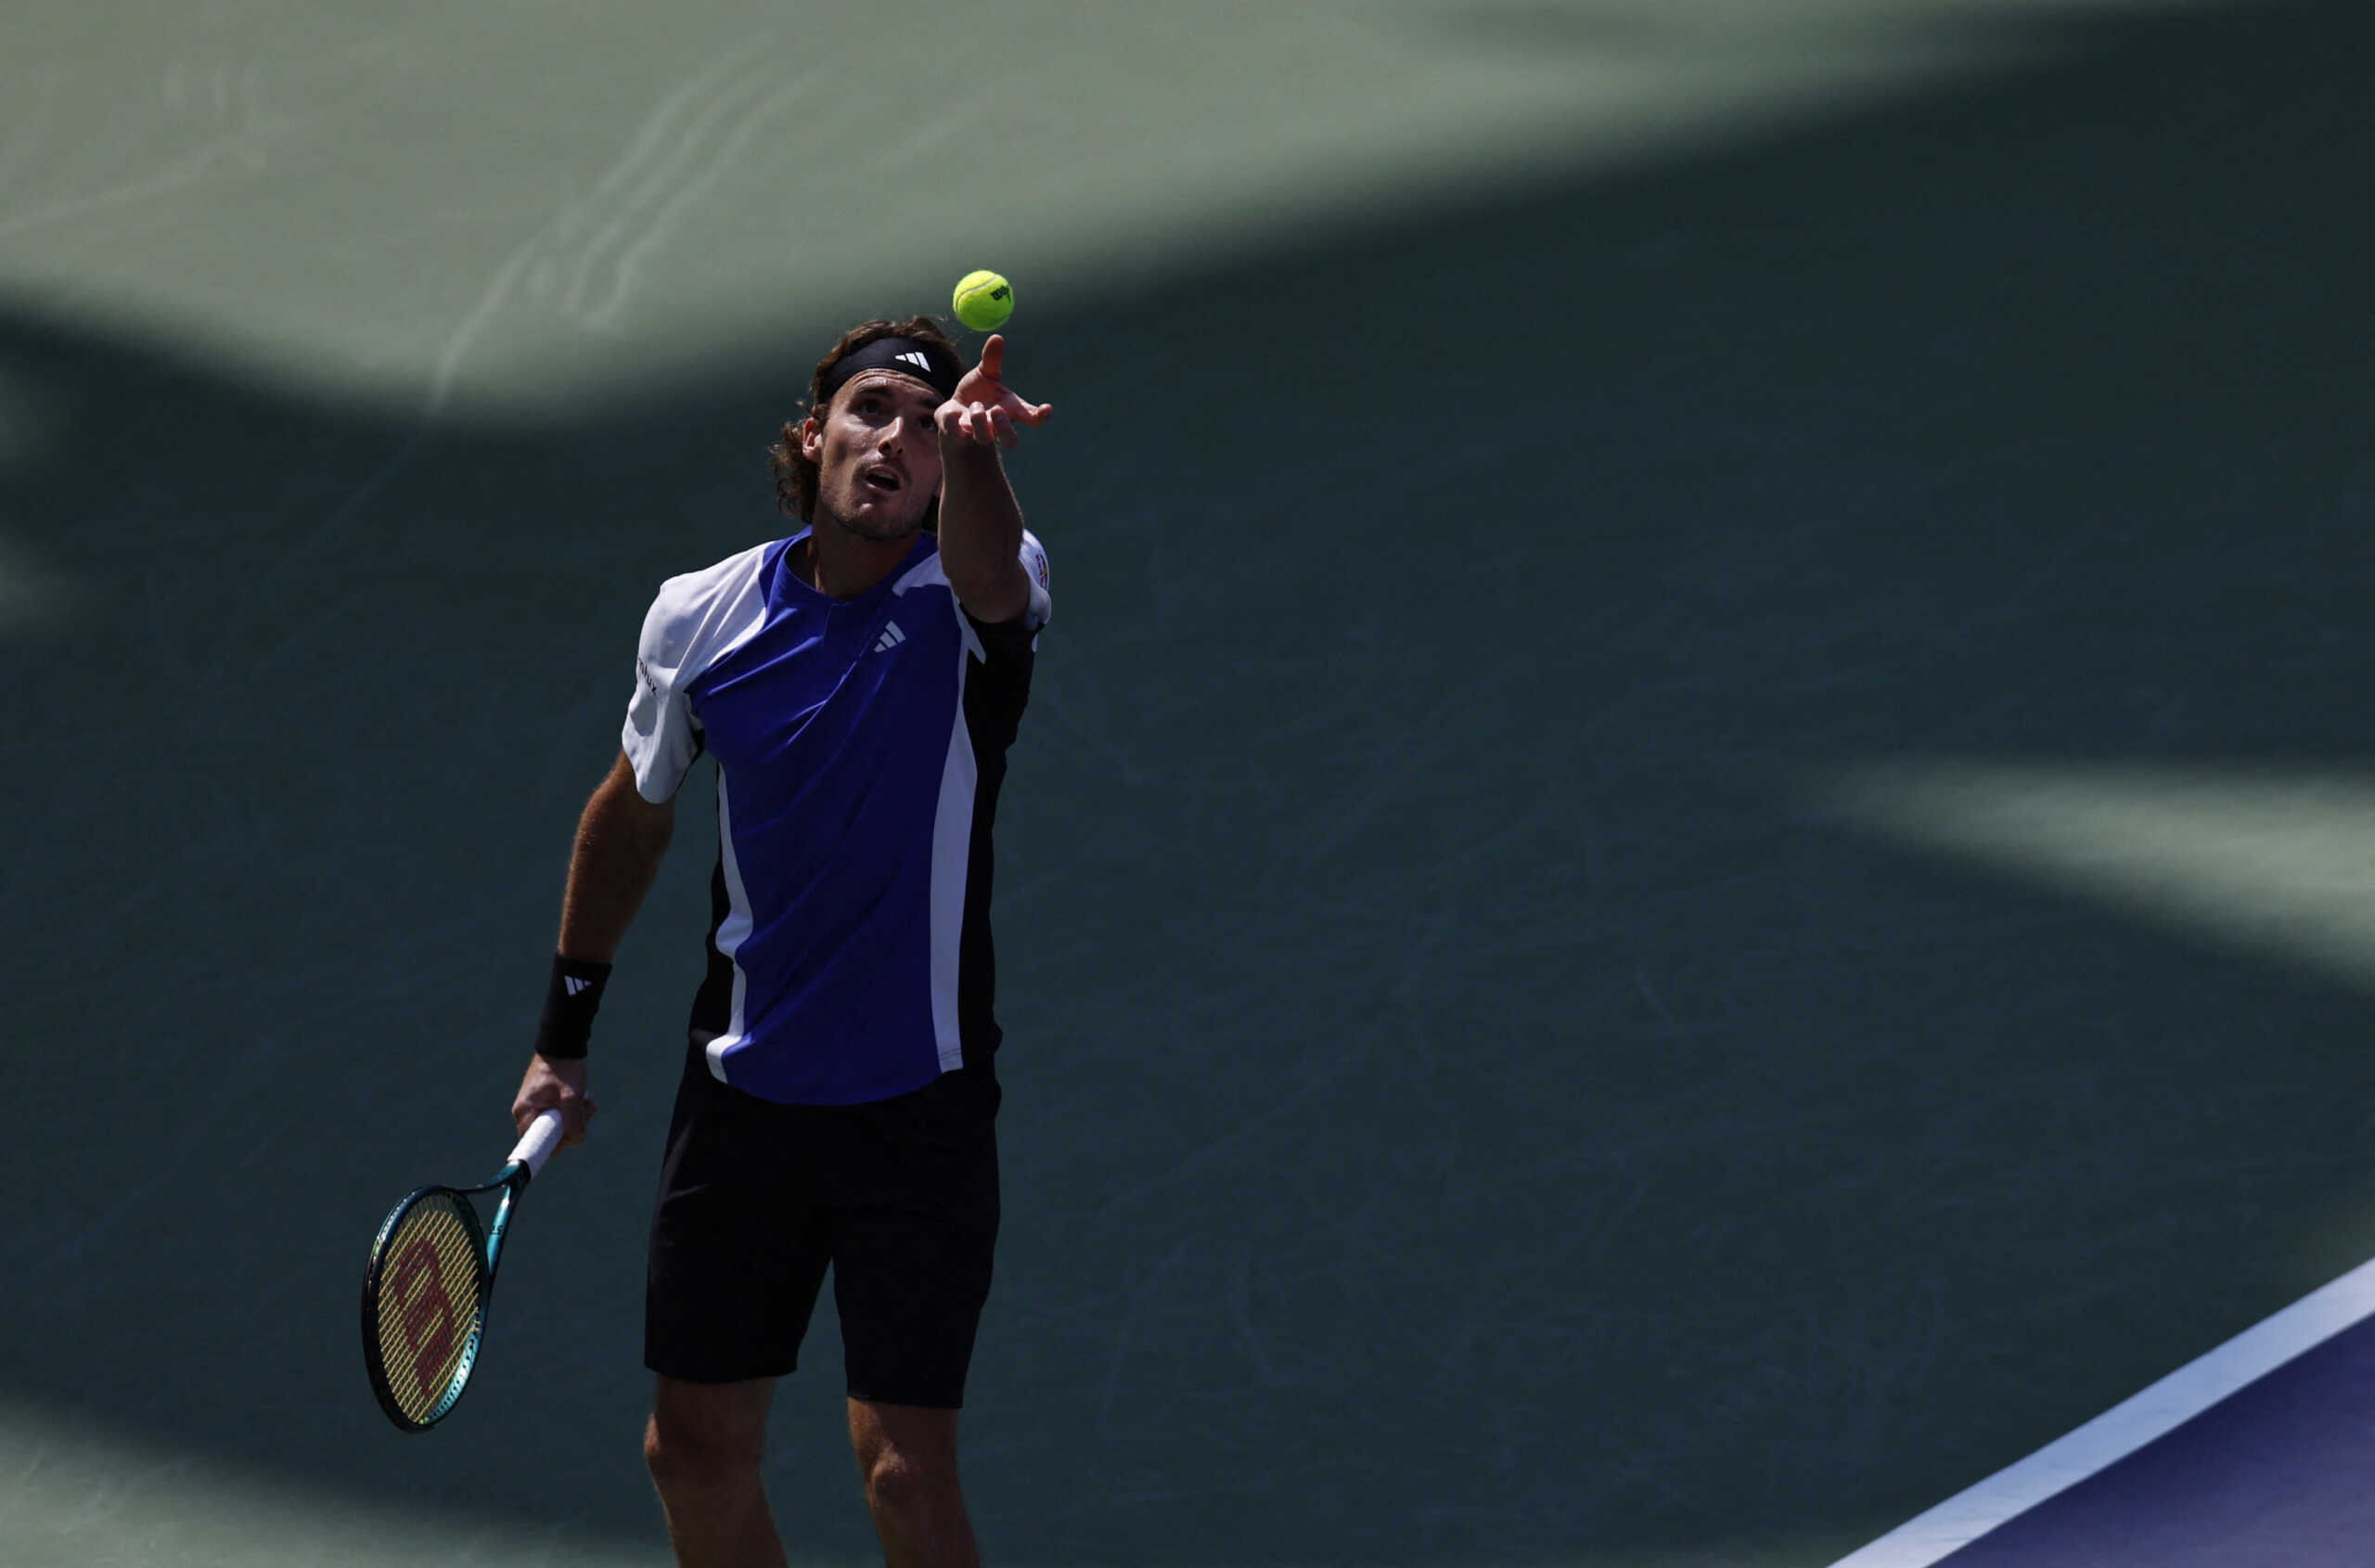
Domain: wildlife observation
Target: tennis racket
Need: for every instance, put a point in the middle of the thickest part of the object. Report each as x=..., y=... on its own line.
x=426, y=1289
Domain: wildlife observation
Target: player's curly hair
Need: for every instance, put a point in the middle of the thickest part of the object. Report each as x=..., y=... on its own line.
x=796, y=477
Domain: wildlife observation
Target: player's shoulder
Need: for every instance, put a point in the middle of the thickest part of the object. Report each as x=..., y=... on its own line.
x=931, y=572
x=737, y=573
x=698, y=605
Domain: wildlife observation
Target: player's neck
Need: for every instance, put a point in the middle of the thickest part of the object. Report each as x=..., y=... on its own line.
x=842, y=565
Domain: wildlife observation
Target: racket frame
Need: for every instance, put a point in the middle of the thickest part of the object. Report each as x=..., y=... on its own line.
x=511, y=1182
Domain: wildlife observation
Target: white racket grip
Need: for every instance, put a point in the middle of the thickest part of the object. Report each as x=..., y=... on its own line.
x=543, y=1138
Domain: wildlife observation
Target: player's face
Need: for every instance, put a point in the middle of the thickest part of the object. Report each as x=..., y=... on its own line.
x=878, y=455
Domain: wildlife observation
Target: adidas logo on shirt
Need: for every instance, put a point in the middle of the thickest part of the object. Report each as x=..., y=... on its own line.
x=892, y=637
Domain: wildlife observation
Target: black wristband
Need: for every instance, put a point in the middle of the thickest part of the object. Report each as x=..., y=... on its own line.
x=570, y=1001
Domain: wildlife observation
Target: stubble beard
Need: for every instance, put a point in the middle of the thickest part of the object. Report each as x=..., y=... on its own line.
x=878, y=531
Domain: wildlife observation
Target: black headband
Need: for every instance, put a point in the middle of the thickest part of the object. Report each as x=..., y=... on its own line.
x=928, y=363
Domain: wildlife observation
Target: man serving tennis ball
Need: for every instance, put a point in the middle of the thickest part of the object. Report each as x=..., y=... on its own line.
x=858, y=684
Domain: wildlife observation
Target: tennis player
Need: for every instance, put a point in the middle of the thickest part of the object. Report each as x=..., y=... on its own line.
x=858, y=684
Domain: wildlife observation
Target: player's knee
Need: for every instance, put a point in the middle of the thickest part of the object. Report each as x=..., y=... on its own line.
x=903, y=1486
x=685, y=1456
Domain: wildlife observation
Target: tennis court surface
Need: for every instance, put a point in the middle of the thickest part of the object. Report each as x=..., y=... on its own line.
x=1693, y=861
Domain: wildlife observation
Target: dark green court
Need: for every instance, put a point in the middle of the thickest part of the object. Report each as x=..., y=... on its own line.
x=1694, y=856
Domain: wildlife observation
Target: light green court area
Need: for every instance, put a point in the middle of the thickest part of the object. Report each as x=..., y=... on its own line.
x=1687, y=863
x=541, y=203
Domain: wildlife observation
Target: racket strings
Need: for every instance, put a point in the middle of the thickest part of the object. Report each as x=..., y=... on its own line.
x=428, y=1301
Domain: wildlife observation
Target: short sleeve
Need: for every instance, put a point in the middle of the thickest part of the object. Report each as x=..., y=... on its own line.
x=1034, y=564
x=1009, y=644
x=695, y=620
x=661, y=737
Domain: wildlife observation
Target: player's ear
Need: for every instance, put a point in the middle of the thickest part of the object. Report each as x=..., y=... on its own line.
x=812, y=440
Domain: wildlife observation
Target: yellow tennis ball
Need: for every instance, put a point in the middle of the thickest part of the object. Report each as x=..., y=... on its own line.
x=984, y=301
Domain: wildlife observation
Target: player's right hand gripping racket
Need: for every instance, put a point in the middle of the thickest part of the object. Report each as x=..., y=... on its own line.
x=425, y=1292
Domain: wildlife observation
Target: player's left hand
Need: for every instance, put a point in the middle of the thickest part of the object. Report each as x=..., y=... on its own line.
x=983, y=412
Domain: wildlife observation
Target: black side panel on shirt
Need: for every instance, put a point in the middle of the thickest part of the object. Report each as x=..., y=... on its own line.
x=714, y=1003
x=996, y=687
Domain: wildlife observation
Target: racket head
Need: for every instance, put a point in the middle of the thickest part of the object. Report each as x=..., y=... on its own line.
x=424, y=1305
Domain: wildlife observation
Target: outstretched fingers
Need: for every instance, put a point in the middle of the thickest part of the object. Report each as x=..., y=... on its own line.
x=981, y=424
x=985, y=410
x=993, y=369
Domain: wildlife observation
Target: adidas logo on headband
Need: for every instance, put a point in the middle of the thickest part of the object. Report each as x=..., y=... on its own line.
x=936, y=369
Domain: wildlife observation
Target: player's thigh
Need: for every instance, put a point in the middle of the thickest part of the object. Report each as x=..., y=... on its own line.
x=739, y=1242
x=729, y=1286
x=910, y=1290
x=914, y=1244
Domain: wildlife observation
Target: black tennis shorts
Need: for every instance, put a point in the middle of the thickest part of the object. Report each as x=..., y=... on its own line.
x=899, y=1196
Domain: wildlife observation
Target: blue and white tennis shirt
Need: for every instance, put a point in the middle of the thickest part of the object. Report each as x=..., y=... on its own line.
x=860, y=744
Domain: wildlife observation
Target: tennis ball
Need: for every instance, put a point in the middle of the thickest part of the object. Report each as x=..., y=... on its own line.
x=984, y=301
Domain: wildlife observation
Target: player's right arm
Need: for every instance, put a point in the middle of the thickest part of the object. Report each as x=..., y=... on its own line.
x=621, y=838
x=624, y=831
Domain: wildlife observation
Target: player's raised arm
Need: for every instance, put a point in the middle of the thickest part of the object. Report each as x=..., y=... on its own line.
x=981, y=525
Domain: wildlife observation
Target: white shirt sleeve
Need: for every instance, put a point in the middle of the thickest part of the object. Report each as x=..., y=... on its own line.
x=1042, y=608
x=662, y=737
x=694, y=621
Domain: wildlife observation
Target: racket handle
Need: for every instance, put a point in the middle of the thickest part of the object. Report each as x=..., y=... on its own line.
x=543, y=1137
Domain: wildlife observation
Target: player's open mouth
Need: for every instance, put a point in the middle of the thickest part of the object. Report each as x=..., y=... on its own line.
x=883, y=480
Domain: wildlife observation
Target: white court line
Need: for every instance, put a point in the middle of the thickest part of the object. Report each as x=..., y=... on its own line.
x=2125, y=1427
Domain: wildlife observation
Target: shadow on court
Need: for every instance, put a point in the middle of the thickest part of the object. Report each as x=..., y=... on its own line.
x=1465, y=1104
